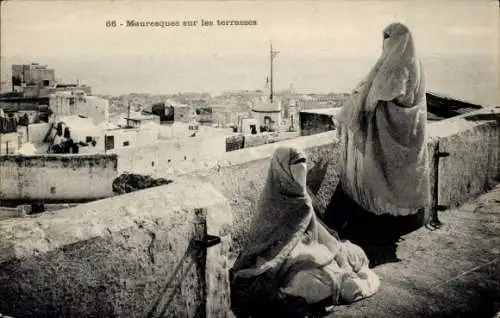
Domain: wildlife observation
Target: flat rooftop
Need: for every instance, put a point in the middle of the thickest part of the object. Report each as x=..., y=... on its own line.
x=453, y=271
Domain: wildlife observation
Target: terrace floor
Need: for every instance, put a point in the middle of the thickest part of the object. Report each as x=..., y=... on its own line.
x=453, y=271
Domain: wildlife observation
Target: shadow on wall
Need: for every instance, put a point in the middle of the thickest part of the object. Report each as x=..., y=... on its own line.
x=164, y=301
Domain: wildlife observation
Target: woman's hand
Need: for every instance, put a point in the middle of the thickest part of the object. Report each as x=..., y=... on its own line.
x=341, y=260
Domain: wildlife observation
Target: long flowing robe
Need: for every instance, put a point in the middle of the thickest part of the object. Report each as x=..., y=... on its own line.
x=286, y=238
x=384, y=161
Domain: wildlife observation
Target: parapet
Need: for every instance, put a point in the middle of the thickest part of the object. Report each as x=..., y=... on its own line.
x=241, y=141
x=57, y=177
x=314, y=121
x=140, y=254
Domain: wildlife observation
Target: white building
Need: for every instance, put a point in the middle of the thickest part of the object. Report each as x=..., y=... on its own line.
x=77, y=103
x=248, y=126
x=102, y=137
x=83, y=130
x=118, y=138
x=267, y=113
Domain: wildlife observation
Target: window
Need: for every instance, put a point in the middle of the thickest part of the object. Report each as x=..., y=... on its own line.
x=88, y=139
x=126, y=143
x=16, y=81
x=109, y=142
x=46, y=83
x=267, y=121
x=253, y=129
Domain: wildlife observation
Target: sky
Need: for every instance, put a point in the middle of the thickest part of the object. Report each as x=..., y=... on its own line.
x=324, y=45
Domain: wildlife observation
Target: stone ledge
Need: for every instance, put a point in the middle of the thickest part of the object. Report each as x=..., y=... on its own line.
x=130, y=255
x=458, y=124
x=246, y=141
x=266, y=151
x=52, y=230
x=206, y=164
x=57, y=157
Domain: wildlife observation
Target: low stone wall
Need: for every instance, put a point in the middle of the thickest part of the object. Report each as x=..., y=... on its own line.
x=165, y=157
x=268, y=138
x=57, y=177
x=26, y=209
x=246, y=141
x=135, y=255
x=7, y=212
x=473, y=165
x=314, y=121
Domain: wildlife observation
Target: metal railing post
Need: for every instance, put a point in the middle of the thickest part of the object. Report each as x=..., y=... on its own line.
x=436, y=207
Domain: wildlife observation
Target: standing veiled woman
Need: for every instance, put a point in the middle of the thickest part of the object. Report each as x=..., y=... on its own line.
x=384, y=178
x=290, y=263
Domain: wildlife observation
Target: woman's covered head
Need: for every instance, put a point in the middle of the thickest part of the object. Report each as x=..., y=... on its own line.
x=289, y=168
x=395, y=29
x=396, y=73
x=397, y=39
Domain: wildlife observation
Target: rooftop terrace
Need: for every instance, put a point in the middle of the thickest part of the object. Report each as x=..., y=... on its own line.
x=151, y=252
x=453, y=271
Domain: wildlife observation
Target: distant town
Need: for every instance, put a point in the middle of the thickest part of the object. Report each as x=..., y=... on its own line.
x=233, y=102
x=38, y=81
x=48, y=109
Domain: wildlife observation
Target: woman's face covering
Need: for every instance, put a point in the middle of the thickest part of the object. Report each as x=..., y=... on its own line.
x=299, y=172
x=386, y=38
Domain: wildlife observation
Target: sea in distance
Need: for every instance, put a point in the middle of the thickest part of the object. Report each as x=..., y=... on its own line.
x=474, y=78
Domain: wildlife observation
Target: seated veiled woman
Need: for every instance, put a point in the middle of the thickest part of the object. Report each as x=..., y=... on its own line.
x=290, y=263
